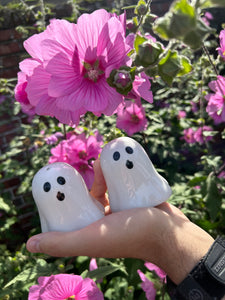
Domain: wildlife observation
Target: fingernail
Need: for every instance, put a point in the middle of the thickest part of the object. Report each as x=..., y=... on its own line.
x=33, y=245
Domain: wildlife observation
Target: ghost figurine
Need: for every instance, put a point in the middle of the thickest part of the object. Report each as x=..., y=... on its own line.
x=130, y=176
x=62, y=199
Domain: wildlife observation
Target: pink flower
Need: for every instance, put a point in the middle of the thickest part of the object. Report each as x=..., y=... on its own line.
x=65, y=286
x=73, y=62
x=52, y=139
x=181, y=114
x=207, y=18
x=199, y=134
x=21, y=95
x=59, y=153
x=131, y=118
x=221, y=49
x=216, y=101
x=194, y=106
x=79, y=151
x=147, y=286
x=93, y=266
x=221, y=175
x=189, y=136
x=159, y=272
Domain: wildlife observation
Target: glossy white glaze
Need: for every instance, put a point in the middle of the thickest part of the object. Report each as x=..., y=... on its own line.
x=131, y=178
x=66, y=206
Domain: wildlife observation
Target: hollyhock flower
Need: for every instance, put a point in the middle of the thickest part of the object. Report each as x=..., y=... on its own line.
x=80, y=152
x=181, y=114
x=207, y=18
x=141, y=88
x=21, y=95
x=59, y=153
x=189, y=135
x=65, y=286
x=147, y=286
x=52, y=139
x=194, y=106
x=221, y=49
x=199, y=134
x=159, y=272
x=216, y=101
x=221, y=175
x=131, y=118
x=74, y=61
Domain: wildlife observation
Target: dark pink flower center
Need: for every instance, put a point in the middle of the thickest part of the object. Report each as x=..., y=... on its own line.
x=92, y=71
x=135, y=119
x=82, y=154
x=70, y=298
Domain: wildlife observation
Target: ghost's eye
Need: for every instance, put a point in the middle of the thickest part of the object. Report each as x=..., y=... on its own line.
x=46, y=186
x=129, y=150
x=116, y=155
x=61, y=180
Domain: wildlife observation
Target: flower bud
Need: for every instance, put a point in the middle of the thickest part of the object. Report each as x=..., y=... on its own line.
x=148, y=53
x=122, y=79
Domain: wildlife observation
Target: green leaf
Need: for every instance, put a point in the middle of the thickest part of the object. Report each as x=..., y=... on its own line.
x=186, y=66
x=211, y=3
x=177, y=22
x=213, y=198
x=169, y=67
x=41, y=268
x=4, y=206
x=148, y=53
x=138, y=41
x=103, y=271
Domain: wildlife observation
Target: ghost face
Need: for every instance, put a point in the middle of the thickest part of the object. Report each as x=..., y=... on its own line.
x=131, y=178
x=63, y=199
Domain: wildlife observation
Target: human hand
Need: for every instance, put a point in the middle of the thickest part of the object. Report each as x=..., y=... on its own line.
x=162, y=235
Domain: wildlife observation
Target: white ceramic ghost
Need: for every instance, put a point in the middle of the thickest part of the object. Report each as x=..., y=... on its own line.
x=131, y=178
x=62, y=198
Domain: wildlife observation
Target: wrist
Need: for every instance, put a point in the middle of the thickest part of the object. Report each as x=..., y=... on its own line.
x=206, y=280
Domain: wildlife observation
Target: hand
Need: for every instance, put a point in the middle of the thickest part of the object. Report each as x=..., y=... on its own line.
x=162, y=235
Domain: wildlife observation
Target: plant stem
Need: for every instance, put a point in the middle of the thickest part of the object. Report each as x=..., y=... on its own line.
x=64, y=131
x=142, y=17
x=42, y=7
x=210, y=60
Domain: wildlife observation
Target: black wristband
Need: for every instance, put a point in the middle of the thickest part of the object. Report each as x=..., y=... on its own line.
x=207, y=280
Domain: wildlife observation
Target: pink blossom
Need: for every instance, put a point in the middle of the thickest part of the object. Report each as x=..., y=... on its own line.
x=194, y=106
x=181, y=114
x=199, y=134
x=59, y=153
x=147, y=286
x=21, y=95
x=79, y=151
x=221, y=49
x=65, y=286
x=216, y=100
x=207, y=18
x=52, y=139
x=159, y=272
x=93, y=266
x=131, y=118
x=189, y=135
x=221, y=175
x=73, y=62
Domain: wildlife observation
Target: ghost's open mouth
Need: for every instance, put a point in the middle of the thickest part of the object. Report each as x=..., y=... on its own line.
x=129, y=164
x=60, y=196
